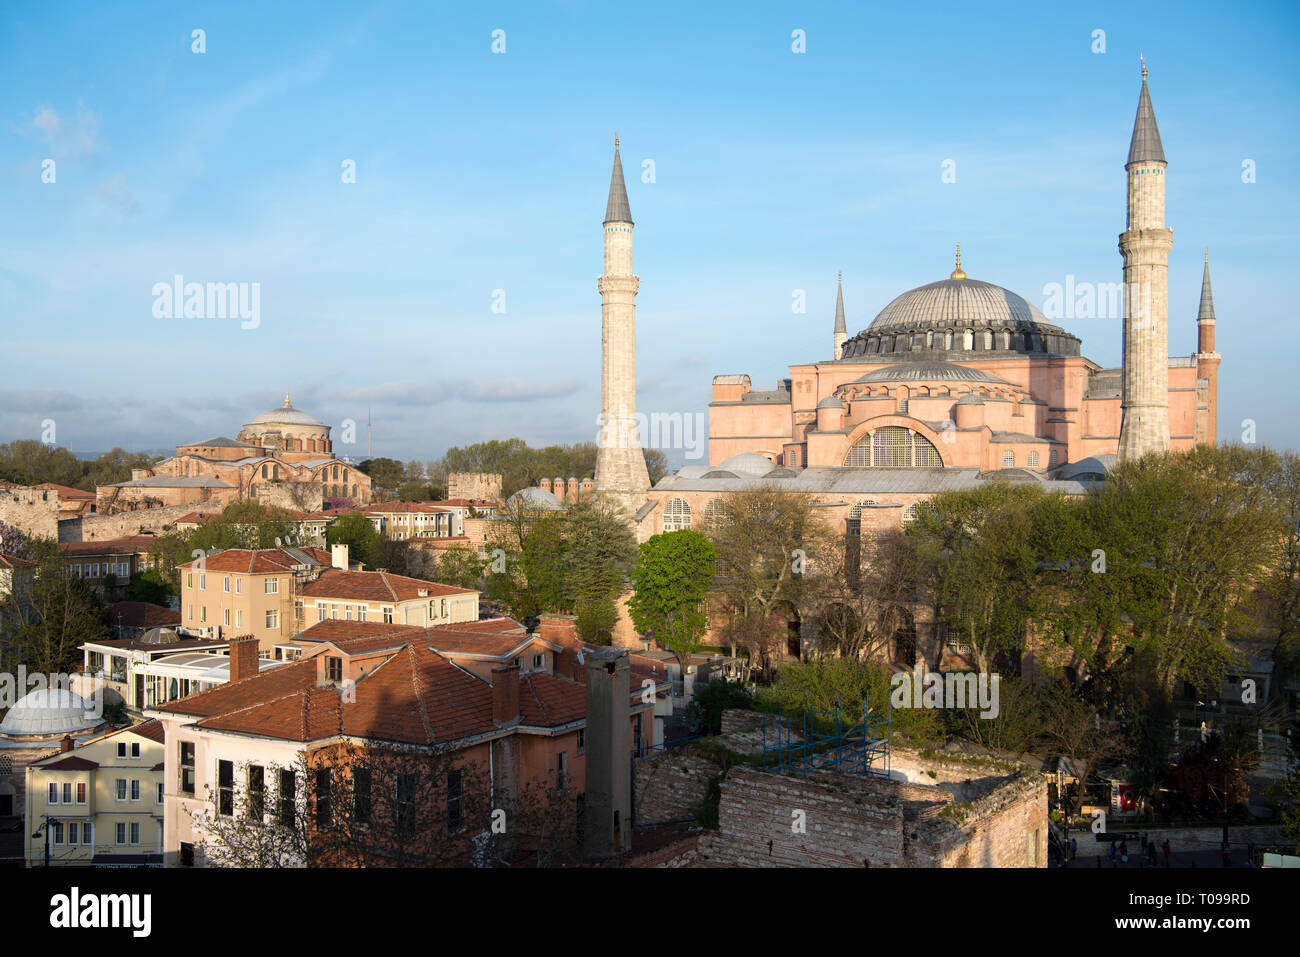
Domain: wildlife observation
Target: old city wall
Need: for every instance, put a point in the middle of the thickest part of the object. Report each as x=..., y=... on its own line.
x=1007, y=827
x=95, y=528
x=33, y=511
x=671, y=785
x=475, y=485
x=843, y=824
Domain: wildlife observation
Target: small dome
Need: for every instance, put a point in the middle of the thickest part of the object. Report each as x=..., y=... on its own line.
x=50, y=711
x=831, y=402
x=971, y=399
x=534, y=498
x=719, y=474
x=750, y=463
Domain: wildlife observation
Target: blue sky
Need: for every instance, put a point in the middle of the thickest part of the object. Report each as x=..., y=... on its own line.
x=478, y=172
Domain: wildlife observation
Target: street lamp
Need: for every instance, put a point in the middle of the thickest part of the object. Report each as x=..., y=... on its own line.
x=45, y=829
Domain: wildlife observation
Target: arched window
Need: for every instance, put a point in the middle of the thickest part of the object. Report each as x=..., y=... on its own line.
x=1032, y=460
x=854, y=521
x=1051, y=458
x=947, y=339
x=713, y=513
x=988, y=339
x=1008, y=459
x=893, y=447
x=909, y=514
x=677, y=515
x=967, y=340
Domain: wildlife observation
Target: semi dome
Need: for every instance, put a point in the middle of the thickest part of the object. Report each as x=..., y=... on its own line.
x=50, y=711
x=960, y=315
x=931, y=372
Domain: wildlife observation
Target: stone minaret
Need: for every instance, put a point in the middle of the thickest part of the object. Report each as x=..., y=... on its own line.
x=1145, y=245
x=841, y=331
x=1207, y=360
x=620, y=463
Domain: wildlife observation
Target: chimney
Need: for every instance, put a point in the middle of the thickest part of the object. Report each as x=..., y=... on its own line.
x=505, y=695
x=607, y=821
x=243, y=658
x=558, y=628
x=66, y=744
x=339, y=556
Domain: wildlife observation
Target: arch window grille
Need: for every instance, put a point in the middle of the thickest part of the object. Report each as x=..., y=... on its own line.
x=713, y=513
x=895, y=447
x=1008, y=459
x=677, y=515
x=1032, y=460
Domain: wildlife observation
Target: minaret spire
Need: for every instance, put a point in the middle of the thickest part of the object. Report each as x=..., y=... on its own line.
x=621, y=472
x=1207, y=365
x=841, y=330
x=617, y=209
x=1145, y=245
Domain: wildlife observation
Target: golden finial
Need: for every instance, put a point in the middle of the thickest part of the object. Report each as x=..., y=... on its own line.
x=286, y=398
x=841, y=275
x=1144, y=65
x=616, y=141
x=957, y=273
x=1207, y=254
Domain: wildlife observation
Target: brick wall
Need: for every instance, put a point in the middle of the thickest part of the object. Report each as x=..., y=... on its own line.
x=94, y=528
x=1005, y=828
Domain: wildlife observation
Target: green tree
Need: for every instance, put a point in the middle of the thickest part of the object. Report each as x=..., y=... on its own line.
x=359, y=534
x=386, y=475
x=61, y=614
x=673, y=572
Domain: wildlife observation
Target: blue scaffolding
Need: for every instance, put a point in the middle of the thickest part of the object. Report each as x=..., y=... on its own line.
x=797, y=747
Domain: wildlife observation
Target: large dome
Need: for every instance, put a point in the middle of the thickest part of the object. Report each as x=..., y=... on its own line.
x=286, y=415
x=960, y=315
x=50, y=711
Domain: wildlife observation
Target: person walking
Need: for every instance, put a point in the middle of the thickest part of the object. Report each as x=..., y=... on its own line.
x=1074, y=848
x=1112, y=853
x=1165, y=848
x=1123, y=852
x=1151, y=853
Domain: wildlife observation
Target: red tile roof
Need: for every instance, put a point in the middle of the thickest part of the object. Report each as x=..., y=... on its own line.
x=259, y=561
x=127, y=545
x=13, y=561
x=546, y=701
x=141, y=614
x=401, y=507
x=66, y=492
x=71, y=763
x=375, y=586
x=153, y=730
x=339, y=630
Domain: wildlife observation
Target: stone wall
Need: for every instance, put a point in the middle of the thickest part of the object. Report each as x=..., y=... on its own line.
x=843, y=824
x=671, y=785
x=475, y=485
x=95, y=528
x=33, y=511
x=1007, y=827
x=296, y=496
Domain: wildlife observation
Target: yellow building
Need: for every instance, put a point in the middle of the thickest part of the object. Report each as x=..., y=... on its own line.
x=98, y=804
x=249, y=592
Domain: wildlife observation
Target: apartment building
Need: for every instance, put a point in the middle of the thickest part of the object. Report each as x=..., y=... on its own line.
x=385, y=598
x=276, y=746
x=112, y=560
x=249, y=591
x=100, y=804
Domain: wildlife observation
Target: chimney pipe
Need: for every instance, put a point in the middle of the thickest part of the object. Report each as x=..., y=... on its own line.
x=339, y=556
x=66, y=744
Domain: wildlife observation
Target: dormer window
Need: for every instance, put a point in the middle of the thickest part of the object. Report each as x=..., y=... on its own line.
x=334, y=668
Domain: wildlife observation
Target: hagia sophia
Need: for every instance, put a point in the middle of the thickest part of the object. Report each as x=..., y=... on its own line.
x=955, y=383
x=283, y=457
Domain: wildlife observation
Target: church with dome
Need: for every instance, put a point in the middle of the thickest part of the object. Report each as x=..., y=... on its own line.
x=283, y=457
x=962, y=381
